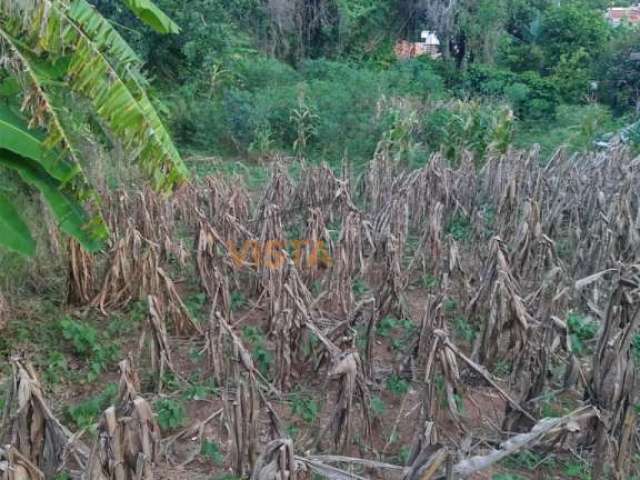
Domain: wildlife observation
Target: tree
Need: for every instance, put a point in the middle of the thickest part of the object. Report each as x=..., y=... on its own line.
x=62, y=65
x=618, y=72
x=568, y=27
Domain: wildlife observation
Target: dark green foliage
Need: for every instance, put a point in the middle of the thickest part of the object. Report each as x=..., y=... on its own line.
x=618, y=71
x=570, y=26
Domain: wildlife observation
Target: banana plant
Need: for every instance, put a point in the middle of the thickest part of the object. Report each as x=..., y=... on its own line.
x=61, y=64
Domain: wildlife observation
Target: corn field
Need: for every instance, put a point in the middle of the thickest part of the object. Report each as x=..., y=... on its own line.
x=413, y=325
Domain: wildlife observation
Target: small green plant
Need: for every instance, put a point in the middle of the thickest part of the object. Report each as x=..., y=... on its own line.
x=404, y=454
x=581, y=330
x=359, y=287
x=57, y=367
x=526, y=460
x=238, y=301
x=459, y=227
x=305, y=408
x=378, y=406
x=86, y=413
x=170, y=412
x=577, y=469
x=502, y=368
x=62, y=476
x=635, y=347
x=397, y=385
x=256, y=340
x=83, y=337
x=430, y=281
x=450, y=305
x=195, y=304
x=211, y=451
x=463, y=329
x=87, y=343
x=386, y=326
x=200, y=392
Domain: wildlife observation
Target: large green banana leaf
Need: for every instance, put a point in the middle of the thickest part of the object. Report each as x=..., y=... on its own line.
x=68, y=212
x=16, y=136
x=14, y=233
x=150, y=14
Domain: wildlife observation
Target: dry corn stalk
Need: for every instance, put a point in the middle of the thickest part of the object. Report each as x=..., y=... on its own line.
x=243, y=410
x=427, y=455
x=279, y=192
x=14, y=466
x=29, y=426
x=81, y=275
x=352, y=387
x=614, y=383
x=181, y=318
x=507, y=315
x=124, y=279
x=159, y=348
x=529, y=377
x=349, y=258
x=276, y=462
x=128, y=436
x=316, y=254
x=4, y=312
x=435, y=359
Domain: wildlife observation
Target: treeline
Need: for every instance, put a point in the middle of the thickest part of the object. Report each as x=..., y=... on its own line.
x=320, y=78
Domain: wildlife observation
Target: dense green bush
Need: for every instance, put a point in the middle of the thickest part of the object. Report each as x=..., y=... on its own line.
x=256, y=112
x=532, y=96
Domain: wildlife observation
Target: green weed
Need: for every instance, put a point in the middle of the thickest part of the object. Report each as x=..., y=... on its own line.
x=397, y=385
x=200, y=392
x=581, y=330
x=463, y=329
x=57, y=368
x=238, y=301
x=377, y=406
x=359, y=287
x=430, y=281
x=211, y=451
x=305, y=408
x=459, y=227
x=577, y=469
x=98, y=349
x=256, y=340
x=171, y=413
x=386, y=326
x=86, y=413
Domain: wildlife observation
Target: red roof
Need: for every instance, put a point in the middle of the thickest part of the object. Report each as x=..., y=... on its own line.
x=630, y=14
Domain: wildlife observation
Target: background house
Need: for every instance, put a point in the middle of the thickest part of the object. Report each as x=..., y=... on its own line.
x=430, y=45
x=617, y=15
